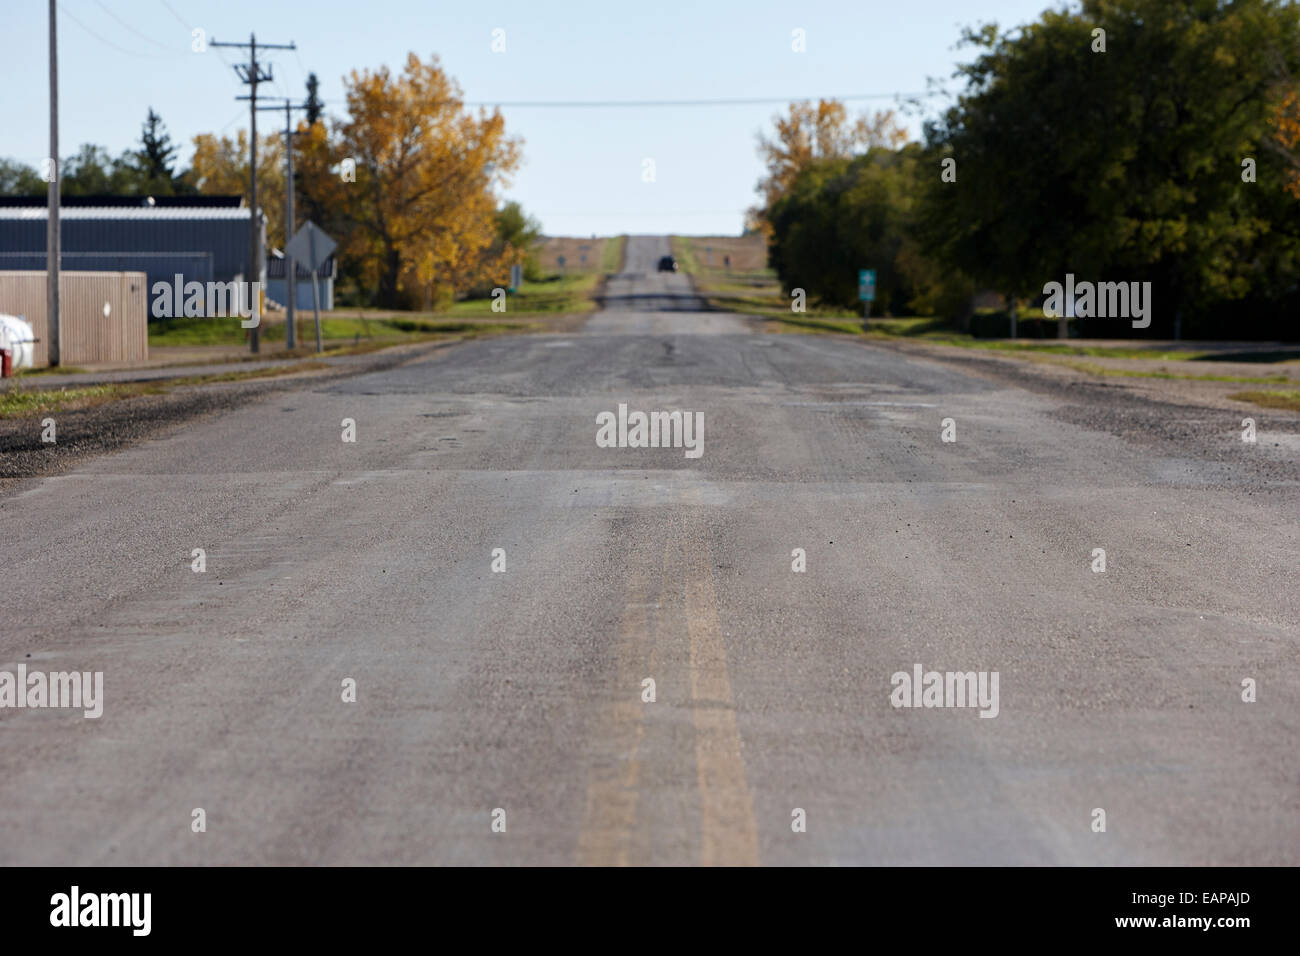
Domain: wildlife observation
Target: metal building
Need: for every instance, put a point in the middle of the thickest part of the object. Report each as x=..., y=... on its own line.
x=202, y=238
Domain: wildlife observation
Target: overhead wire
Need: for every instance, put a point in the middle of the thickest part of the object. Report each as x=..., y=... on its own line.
x=128, y=27
x=107, y=42
x=637, y=104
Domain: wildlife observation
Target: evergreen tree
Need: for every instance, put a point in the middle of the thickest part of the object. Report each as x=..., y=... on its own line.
x=157, y=152
x=314, y=105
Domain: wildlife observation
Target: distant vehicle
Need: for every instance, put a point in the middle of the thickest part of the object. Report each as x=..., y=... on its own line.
x=667, y=264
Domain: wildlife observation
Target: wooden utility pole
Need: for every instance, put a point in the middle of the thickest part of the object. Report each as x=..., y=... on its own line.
x=252, y=73
x=290, y=225
x=53, y=237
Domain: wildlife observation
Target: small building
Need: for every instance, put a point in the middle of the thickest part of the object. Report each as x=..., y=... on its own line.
x=103, y=315
x=277, y=285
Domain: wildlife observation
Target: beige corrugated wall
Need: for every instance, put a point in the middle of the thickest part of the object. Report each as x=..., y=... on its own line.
x=88, y=336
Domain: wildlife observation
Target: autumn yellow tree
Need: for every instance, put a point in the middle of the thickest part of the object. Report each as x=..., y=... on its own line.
x=406, y=181
x=1286, y=137
x=220, y=168
x=811, y=131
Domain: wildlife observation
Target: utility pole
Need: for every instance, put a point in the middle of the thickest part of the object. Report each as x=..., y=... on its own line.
x=290, y=225
x=290, y=268
x=253, y=74
x=53, y=245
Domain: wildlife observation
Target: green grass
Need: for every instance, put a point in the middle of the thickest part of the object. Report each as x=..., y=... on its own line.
x=1093, y=368
x=48, y=370
x=810, y=323
x=1287, y=398
x=385, y=328
x=19, y=402
x=934, y=330
x=683, y=251
x=611, y=254
x=199, y=332
x=452, y=328
x=757, y=292
x=16, y=403
x=274, y=371
x=554, y=295
x=1094, y=351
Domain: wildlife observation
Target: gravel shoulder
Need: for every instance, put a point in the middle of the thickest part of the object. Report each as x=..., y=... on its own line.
x=1170, y=413
x=84, y=432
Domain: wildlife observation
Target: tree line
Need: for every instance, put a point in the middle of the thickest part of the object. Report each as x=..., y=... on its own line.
x=406, y=180
x=1115, y=140
x=146, y=171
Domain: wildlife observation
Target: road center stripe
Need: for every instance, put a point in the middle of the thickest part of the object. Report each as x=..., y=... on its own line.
x=728, y=831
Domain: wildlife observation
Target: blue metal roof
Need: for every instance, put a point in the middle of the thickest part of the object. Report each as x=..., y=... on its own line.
x=213, y=241
x=73, y=213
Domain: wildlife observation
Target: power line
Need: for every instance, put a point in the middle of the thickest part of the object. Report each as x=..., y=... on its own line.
x=639, y=104
x=302, y=70
x=132, y=29
x=284, y=93
x=181, y=21
x=647, y=213
x=232, y=120
x=147, y=56
x=174, y=13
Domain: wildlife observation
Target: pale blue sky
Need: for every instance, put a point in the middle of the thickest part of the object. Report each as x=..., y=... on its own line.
x=582, y=167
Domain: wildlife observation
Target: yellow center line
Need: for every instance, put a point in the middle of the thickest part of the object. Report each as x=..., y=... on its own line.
x=728, y=830
x=612, y=794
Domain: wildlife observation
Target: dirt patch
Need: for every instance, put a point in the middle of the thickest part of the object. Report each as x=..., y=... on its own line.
x=580, y=255
x=747, y=253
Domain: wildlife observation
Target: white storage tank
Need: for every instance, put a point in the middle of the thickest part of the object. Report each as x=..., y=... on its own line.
x=16, y=335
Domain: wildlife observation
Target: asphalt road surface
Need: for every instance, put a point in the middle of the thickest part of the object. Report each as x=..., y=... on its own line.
x=522, y=690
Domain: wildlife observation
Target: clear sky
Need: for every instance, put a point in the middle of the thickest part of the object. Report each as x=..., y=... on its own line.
x=582, y=170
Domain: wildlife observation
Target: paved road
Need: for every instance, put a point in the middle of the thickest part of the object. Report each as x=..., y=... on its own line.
x=522, y=690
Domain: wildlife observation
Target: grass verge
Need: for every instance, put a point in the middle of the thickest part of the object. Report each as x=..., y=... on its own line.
x=611, y=254
x=1092, y=368
x=1286, y=398
x=555, y=294
x=19, y=402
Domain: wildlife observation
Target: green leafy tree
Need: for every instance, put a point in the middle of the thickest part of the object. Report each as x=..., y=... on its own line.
x=92, y=172
x=517, y=237
x=18, y=179
x=1120, y=165
x=840, y=215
